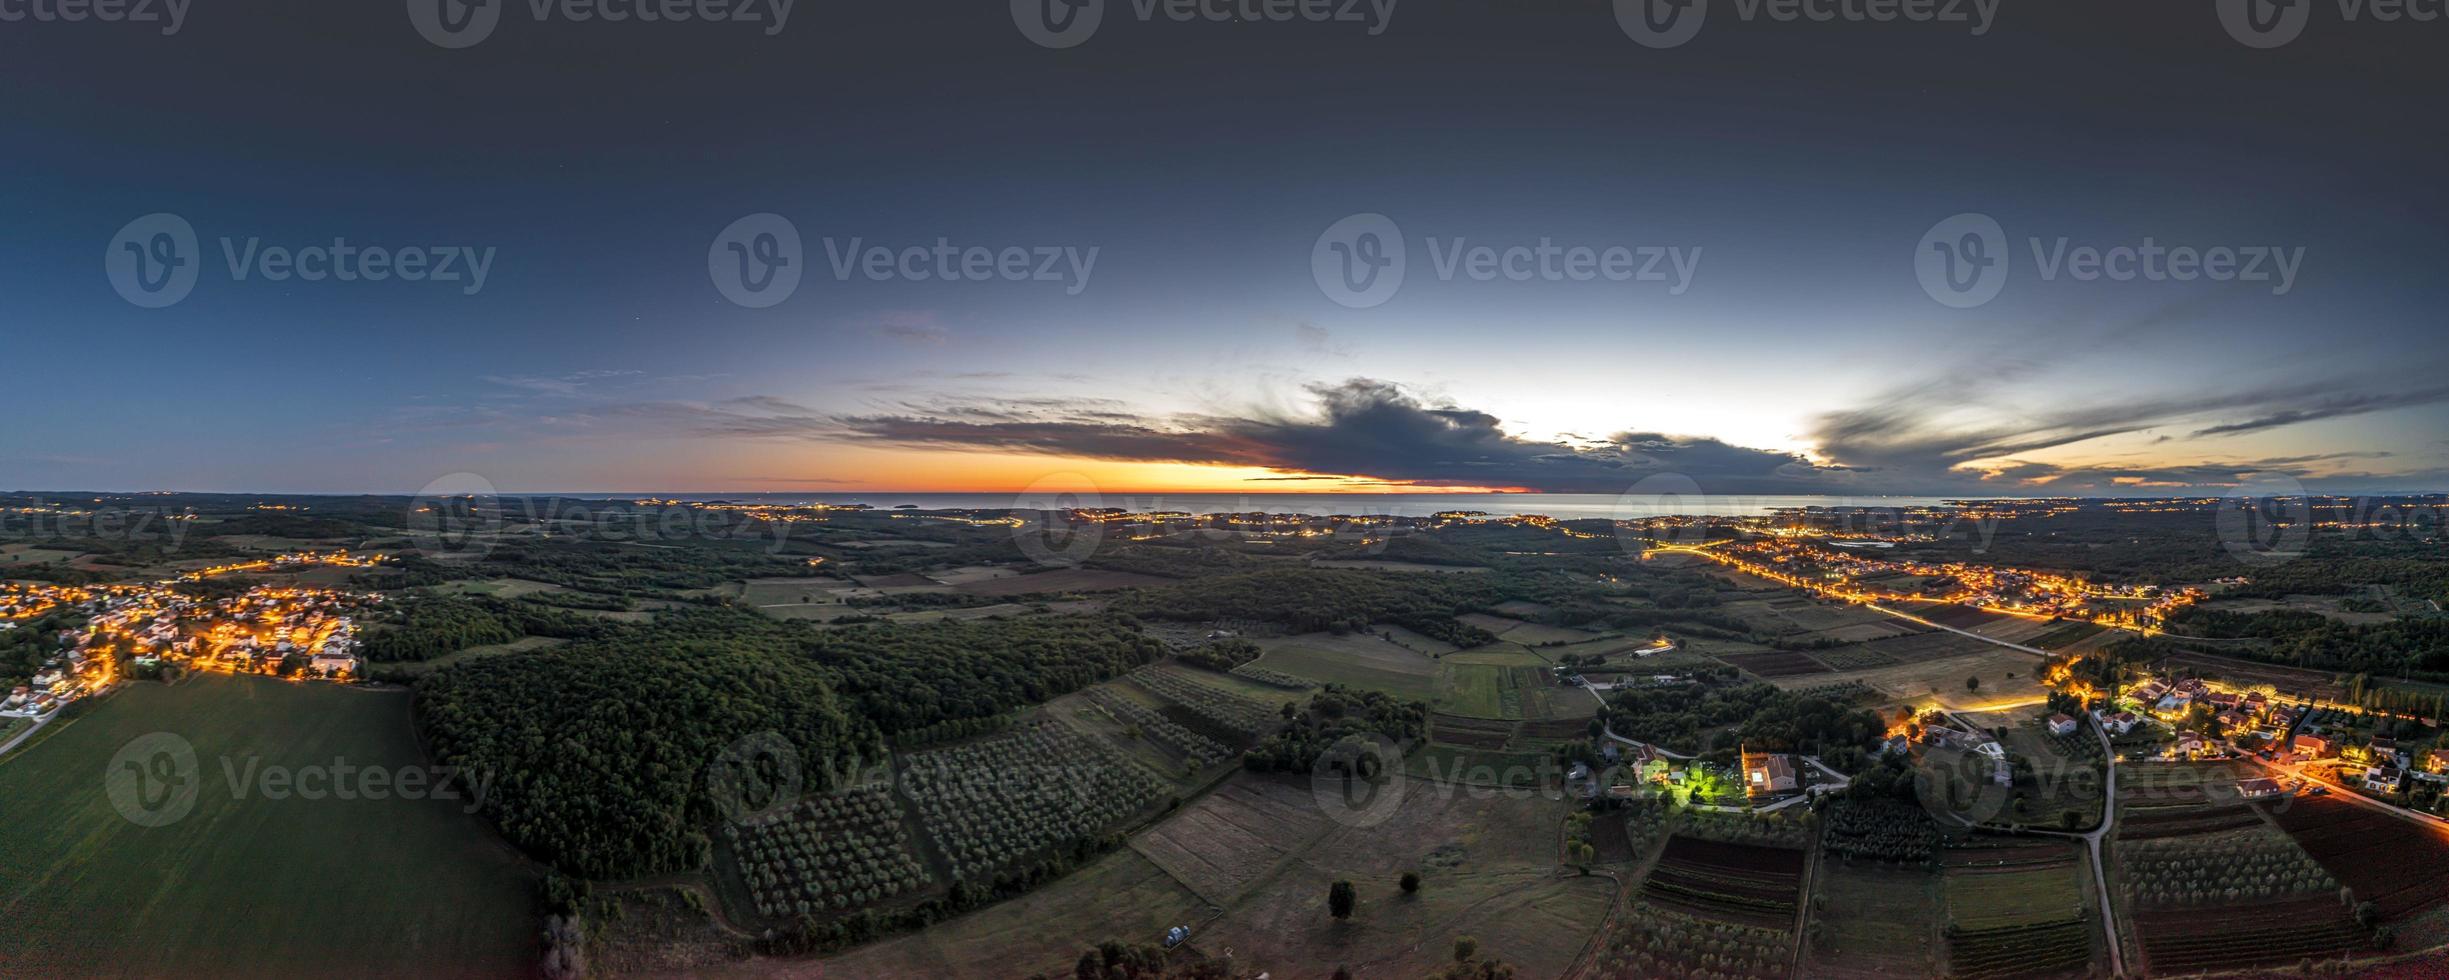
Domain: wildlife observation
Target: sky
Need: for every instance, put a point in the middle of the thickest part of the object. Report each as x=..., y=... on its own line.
x=1194, y=205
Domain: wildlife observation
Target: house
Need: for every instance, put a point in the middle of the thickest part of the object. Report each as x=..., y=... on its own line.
x=1896, y=745
x=2115, y=724
x=17, y=698
x=2384, y=778
x=2233, y=719
x=2062, y=724
x=2187, y=746
x=2314, y=746
x=1768, y=773
x=2258, y=788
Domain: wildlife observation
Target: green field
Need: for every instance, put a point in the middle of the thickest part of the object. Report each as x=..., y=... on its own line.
x=250, y=885
x=1473, y=691
x=1357, y=660
x=1874, y=919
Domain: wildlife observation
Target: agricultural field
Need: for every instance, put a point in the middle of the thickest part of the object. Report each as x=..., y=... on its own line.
x=1499, y=654
x=2231, y=899
x=1942, y=680
x=1443, y=763
x=326, y=886
x=499, y=588
x=2017, y=907
x=1734, y=883
x=1881, y=831
x=1773, y=666
x=2180, y=799
x=1000, y=800
x=1254, y=860
x=824, y=855
x=1353, y=660
x=1185, y=748
x=1479, y=691
x=2398, y=866
x=2067, y=775
x=2067, y=635
x=1233, y=838
x=1273, y=678
x=1874, y=919
x=1061, y=580
x=1196, y=701
x=1474, y=732
x=1710, y=908
x=1119, y=895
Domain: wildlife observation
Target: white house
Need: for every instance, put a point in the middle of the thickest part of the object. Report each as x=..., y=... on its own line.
x=2062, y=724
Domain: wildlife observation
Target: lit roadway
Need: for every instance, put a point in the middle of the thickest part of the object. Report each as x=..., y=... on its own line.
x=2308, y=775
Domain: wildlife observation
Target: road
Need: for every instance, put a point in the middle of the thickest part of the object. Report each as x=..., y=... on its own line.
x=2340, y=791
x=28, y=733
x=2091, y=843
x=1900, y=614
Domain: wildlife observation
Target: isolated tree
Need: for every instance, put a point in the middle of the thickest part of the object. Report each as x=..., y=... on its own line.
x=1343, y=973
x=1972, y=683
x=1411, y=882
x=1465, y=948
x=1340, y=899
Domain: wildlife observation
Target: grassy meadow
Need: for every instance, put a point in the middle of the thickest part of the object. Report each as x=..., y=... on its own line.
x=250, y=886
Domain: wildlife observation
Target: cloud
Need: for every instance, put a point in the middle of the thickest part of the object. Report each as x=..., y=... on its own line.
x=1360, y=428
x=921, y=328
x=2332, y=407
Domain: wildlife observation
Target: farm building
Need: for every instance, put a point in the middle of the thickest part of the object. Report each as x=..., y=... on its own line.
x=2258, y=788
x=1768, y=773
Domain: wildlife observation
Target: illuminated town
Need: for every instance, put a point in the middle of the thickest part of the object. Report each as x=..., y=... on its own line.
x=1798, y=561
x=285, y=631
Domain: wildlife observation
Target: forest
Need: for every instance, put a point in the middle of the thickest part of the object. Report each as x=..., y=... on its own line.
x=597, y=752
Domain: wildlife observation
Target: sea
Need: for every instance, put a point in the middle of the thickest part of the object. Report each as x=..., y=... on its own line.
x=1562, y=506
